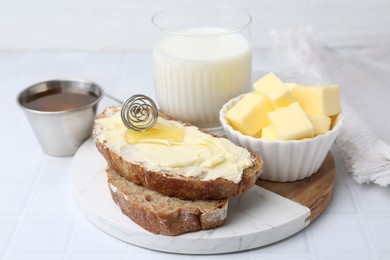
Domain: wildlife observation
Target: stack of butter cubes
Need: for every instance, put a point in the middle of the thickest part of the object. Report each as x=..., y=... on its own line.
x=285, y=111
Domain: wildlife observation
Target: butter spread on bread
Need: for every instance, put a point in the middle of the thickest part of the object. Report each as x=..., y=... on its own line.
x=172, y=147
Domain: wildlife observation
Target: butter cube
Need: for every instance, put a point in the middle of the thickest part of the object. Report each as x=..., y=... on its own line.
x=333, y=120
x=291, y=86
x=320, y=100
x=291, y=123
x=258, y=134
x=275, y=91
x=249, y=114
x=268, y=133
x=320, y=123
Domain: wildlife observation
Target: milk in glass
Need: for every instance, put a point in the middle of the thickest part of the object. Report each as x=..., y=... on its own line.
x=197, y=70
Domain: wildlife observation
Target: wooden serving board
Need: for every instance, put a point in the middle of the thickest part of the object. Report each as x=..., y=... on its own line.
x=314, y=192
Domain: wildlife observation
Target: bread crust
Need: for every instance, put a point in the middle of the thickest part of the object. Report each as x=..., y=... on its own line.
x=178, y=186
x=188, y=217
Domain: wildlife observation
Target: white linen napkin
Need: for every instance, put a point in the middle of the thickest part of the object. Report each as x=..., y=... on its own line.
x=365, y=93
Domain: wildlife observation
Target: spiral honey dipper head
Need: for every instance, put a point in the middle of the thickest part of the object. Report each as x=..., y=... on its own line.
x=139, y=113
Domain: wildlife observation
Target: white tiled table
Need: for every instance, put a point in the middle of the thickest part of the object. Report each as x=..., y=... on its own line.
x=40, y=220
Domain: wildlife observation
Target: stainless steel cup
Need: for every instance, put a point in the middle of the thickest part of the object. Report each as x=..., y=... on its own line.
x=61, y=133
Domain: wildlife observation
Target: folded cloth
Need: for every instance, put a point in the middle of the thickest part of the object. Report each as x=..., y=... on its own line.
x=305, y=59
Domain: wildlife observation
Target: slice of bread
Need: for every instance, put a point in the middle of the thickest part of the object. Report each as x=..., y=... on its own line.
x=164, y=215
x=168, y=183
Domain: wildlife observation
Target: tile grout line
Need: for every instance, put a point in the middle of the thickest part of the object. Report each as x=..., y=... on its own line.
x=26, y=207
x=11, y=137
x=368, y=236
x=121, y=74
x=72, y=238
x=310, y=244
x=360, y=217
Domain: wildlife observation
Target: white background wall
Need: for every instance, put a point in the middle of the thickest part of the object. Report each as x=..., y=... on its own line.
x=125, y=24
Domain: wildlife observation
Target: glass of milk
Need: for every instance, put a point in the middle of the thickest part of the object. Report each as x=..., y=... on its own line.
x=202, y=58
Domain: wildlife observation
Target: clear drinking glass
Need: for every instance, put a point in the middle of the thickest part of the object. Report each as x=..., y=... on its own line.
x=202, y=58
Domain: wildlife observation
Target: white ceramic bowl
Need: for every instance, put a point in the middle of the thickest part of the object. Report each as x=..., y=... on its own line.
x=284, y=160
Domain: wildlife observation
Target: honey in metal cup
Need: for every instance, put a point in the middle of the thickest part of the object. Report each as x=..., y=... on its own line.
x=61, y=113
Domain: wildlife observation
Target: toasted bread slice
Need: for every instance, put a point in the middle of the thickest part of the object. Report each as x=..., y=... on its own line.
x=161, y=214
x=167, y=182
